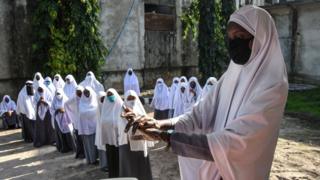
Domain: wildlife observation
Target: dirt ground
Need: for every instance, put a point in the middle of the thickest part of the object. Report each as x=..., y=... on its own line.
x=297, y=157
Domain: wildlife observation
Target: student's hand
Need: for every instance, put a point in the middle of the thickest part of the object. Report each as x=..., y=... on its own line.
x=61, y=110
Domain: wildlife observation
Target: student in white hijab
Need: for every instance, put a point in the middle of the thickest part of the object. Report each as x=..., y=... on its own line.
x=172, y=92
x=235, y=129
x=91, y=81
x=49, y=85
x=98, y=140
x=181, y=103
x=37, y=79
x=58, y=82
x=160, y=100
x=133, y=158
x=89, y=115
x=211, y=83
x=194, y=91
x=43, y=130
x=8, y=113
x=183, y=79
x=131, y=82
x=62, y=123
x=72, y=111
x=111, y=134
x=26, y=109
x=70, y=86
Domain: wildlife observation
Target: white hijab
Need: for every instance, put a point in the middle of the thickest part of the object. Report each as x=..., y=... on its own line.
x=26, y=103
x=37, y=82
x=62, y=119
x=72, y=108
x=47, y=96
x=172, y=91
x=193, y=99
x=208, y=87
x=111, y=120
x=89, y=113
x=242, y=116
x=60, y=83
x=91, y=81
x=6, y=107
x=160, y=100
x=70, y=88
x=98, y=139
x=131, y=82
x=50, y=86
x=137, y=107
x=181, y=102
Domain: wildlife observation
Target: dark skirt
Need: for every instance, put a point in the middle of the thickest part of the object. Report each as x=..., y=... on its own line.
x=27, y=128
x=10, y=122
x=44, y=133
x=133, y=164
x=113, y=160
x=171, y=112
x=64, y=141
x=79, y=145
x=160, y=115
x=90, y=149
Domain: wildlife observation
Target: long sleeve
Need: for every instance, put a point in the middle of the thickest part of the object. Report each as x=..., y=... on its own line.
x=193, y=146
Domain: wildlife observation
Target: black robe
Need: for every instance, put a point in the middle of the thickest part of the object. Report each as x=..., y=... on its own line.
x=27, y=128
x=64, y=141
x=79, y=145
x=10, y=122
x=41, y=136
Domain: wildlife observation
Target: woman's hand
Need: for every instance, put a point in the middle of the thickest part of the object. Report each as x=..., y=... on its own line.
x=152, y=134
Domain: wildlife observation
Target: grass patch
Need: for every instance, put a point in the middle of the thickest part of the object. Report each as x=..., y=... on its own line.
x=304, y=102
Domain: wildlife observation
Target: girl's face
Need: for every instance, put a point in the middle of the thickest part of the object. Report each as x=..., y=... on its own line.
x=131, y=98
x=86, y=93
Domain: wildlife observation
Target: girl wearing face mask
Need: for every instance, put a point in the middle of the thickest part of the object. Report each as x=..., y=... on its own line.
x=49, y=85
x=26, y=109
x=62, y=123
x=133, y=154
x=101, y=147
x=210, y=84
x=172, y=92
x=194, y=92
x=70, y=86
x=43, y=131
x=89, y=115
x=160, y=100
x=181, y=102
x=92, y=82
x=72, y=111
x=111, y=135
x=8, y=113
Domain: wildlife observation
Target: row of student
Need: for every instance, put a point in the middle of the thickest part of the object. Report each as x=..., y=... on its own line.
x=84, y=119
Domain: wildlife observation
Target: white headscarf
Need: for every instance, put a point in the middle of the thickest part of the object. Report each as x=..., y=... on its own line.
x=6, y=107
x=89, y=113
x=98, y=139
x=49, y=85
x=160, y=100
x=193, y=99
x=181, y=102
x=62, y=119
x=172, y=91
x=26, y=103
x=37, y=82
x=72, y=108
x=43, y=109
x=91, y=81
x=131, y=82
x=70, y=89
x=137, y=107
x=183, y=78
x=60, y=83
x=242, y=116
x=111, y=121
x=207, y=86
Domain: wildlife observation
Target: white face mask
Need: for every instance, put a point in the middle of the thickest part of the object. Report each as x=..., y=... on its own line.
x=131, y=103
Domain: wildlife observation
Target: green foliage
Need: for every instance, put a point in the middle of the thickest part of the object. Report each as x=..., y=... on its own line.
x=304, y=102
x=67, y=38
x=206, y=20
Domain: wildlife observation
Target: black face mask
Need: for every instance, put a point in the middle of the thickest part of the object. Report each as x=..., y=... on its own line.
x=7, y=100
x=30, y=91
x=193, y=85
x=239, y=50
x=37, y=77
x=130, y=73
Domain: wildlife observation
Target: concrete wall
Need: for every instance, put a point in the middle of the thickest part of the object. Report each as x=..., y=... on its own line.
x=14, y=46
x=151, y=54
x=304, y=64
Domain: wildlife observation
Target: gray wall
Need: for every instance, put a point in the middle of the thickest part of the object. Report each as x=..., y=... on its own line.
x=302, y=57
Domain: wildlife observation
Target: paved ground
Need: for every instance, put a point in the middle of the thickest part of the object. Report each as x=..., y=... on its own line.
x=297, y=157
